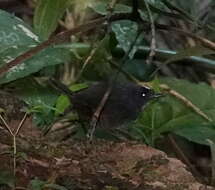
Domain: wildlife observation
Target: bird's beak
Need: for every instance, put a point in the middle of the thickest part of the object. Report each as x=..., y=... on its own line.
x=157, y=95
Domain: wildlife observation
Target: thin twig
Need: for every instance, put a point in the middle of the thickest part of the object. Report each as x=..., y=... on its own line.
x=212, y=149
x=21, y=124
x=14, y=135
x=6, y=125
x=98, y=112
x=86, y=62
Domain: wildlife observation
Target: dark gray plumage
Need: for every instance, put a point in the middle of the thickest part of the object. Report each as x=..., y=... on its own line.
x=123, y=105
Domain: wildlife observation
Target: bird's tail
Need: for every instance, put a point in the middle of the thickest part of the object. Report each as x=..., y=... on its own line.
x=60, y=87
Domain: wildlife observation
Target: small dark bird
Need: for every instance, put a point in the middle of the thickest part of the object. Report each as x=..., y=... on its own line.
x=123, y=104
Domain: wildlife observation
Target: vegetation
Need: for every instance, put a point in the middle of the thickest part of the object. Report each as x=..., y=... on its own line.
x=167, y=45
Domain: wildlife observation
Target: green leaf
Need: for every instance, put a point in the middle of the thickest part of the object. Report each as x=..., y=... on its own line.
x=139, y=69
x=78, y=87
x=47, y=14
x=126, y=32
x=63, y=101
x=61, y=104
x=45, y=58
x=14, y=32
x=15, y=39
x=169, y=113
x=40, y=99
x=198, y=133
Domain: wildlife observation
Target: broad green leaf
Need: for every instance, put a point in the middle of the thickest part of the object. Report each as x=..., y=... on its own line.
x=16, y=38
x=198, y=133
x=40, y=99
x=45, y=58
x=61, y=104
x=47, y=14
x=169, y=113
x=14, y=32
x=139, y=69
x=126, y=32
x=78, y=87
